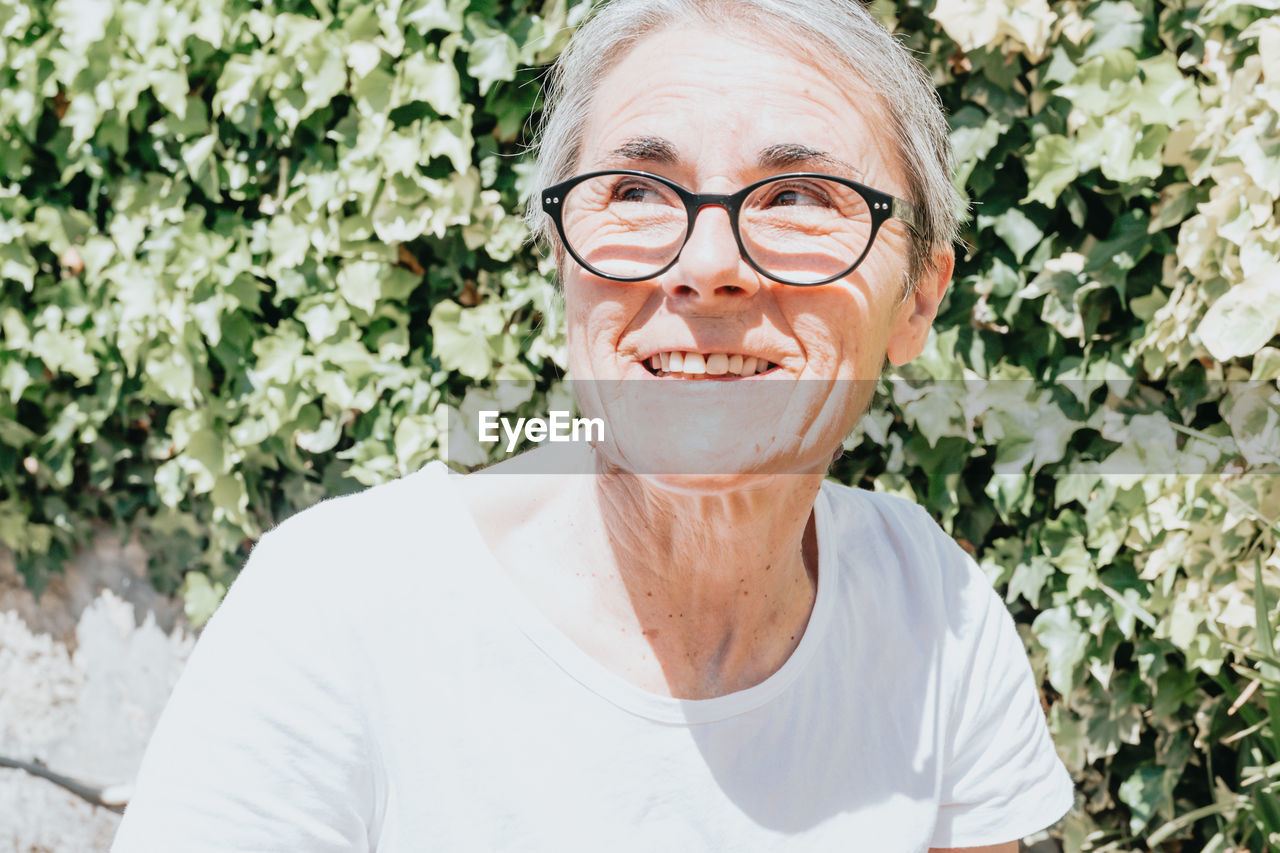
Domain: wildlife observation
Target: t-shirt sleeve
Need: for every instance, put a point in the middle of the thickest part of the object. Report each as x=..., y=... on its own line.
x=1002, y=779
x=262, y=746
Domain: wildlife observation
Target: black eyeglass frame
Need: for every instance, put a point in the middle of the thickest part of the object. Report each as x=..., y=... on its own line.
x=882, y=206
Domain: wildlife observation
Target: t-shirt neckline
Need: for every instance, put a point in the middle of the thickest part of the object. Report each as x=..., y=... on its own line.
x=597, y=678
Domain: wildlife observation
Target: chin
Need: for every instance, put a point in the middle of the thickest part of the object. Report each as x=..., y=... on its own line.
x=708, y=449
x=718, y=436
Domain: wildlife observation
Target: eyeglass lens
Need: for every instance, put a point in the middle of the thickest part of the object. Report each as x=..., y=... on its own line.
x=800, y=230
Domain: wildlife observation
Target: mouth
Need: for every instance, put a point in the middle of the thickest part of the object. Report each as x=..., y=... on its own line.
x=676, y=364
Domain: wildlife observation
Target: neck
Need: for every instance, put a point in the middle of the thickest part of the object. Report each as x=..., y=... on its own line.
x=720, y=584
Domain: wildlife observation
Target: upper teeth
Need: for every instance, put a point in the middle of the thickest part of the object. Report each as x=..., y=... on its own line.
x=714, y=364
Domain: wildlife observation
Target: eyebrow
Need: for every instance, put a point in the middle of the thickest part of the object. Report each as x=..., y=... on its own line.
x=783, y=155
x=790, y=155
x=649, y=149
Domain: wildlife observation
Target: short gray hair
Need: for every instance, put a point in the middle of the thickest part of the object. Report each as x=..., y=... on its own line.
x=835, y=29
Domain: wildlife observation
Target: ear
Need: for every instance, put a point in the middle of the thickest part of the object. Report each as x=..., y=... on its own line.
x=914, y=317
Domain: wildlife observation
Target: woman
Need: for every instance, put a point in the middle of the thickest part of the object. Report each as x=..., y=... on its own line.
x=698, y=645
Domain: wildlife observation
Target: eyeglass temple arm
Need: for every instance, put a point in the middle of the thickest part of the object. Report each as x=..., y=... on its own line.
x=909, y=214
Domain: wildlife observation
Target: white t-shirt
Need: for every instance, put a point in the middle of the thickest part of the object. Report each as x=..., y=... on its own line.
x=374, y=681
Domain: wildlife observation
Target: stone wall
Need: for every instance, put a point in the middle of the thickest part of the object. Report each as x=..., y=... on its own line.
x=84, y=673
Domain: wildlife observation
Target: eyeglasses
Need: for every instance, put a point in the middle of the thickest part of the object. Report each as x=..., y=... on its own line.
x=802, y=228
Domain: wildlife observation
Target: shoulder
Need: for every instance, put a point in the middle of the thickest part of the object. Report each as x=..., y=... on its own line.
x=930, y=603
x=376, y=520
x=345, y=547
x=888, y=534
x=894, y=558
x=389, y=506
x=890, y=516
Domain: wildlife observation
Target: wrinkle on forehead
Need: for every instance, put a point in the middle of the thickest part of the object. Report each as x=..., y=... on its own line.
x=698, y=98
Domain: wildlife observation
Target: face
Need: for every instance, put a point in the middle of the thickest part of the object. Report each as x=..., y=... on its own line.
x=715, y=111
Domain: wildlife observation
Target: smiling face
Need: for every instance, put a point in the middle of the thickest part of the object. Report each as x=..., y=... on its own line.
x=716, y=110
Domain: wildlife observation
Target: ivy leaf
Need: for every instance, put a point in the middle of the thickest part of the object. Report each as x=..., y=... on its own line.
x=360, y=283
x=460, y=339
x=201, y=597
x=170, y=89
x=1065, y=641
x=1177, y=202
x=415, y=440
x=1143, y=792
x=1051, y=167
x=17, y=264
x=1018, y=231
x=230, y=500
x=973, y=135
x=492, y=54
x=324, y=75
x=426, y=15
x=1029, y=579
x=1116, y=25
x=198, y=158
x=429, y=78
x=237, y=84
x=1245, y=318
x=1130, y=149
x=1253, y=413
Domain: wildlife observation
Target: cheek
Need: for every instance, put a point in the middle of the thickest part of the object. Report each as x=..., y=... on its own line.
x=818, y=337
x=597, y=314
x=583, y=296
x=836, y=330
x=888, y=262
x=578, y=324
x=573, y=318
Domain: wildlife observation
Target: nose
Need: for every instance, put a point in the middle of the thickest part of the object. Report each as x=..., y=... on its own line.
x=711, y=267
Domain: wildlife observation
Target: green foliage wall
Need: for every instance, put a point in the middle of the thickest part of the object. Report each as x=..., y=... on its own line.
x=255, y=253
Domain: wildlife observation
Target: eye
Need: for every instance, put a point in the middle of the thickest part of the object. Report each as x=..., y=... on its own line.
x=637, y=191
x=797, y=195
